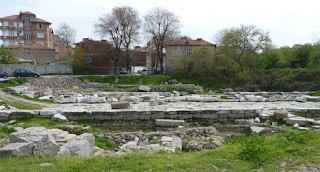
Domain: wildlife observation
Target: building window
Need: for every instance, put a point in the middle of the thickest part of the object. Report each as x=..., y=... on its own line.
x=28, y=37
x=11, y=24
x=89, y=59
x=27, y=19
x=27, y=27
x=174, y=52
x=11, y=42
x=11, y=33
x=18, y=25
x=40, y=35
x=88, y=47
x=189, y=51
x=40, y=26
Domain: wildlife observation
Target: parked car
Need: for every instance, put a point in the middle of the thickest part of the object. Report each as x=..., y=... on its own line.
x=4, y=74
x=25, y=73
x=123, y=71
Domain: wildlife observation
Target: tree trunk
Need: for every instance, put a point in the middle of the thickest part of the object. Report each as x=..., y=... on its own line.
x=128, y=58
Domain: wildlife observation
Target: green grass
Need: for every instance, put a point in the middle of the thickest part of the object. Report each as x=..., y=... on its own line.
x=13, y=82
x=317, y=93
x=238, y=154
x=241, y=154
x=106, y=144
x=128, y=79
x=207, y=83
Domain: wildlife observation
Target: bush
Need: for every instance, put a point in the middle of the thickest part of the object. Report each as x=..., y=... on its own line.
x=296, y=138
x=254, y=149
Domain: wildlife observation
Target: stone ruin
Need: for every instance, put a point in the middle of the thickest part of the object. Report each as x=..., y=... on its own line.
x=167, y=114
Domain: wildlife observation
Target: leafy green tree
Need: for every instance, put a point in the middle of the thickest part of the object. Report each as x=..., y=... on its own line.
x=315, y=57
x=301, y=56
x=78, y=60
x=243, y=43
x=270, y=59
x=8, y=57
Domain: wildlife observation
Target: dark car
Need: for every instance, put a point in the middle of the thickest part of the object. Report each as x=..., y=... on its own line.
x=123, y=71
x=4, y=74
x=24, y=73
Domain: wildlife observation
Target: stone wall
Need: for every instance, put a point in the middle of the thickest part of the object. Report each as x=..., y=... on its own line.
x=41, y=69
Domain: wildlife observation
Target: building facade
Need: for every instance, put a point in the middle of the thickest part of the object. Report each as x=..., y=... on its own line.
x=99, y=56
x=143, y=57
x=25, y=28
x=185, y=46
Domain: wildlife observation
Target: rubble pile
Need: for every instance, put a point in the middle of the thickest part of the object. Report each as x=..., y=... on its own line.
x=55, y=83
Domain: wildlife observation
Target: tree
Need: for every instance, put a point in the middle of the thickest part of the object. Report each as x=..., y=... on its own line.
x=67, y=33
x=315, y=57
x=301, y=56
x=130, y=24
x=78, y=60
x=7, y=57
x=240, y=44
x=161, y=26
x=121, y=26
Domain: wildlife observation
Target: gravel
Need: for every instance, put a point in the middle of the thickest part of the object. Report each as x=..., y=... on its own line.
x=55, y=83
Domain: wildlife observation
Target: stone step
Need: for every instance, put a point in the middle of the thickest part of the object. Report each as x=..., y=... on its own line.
x=169, y=123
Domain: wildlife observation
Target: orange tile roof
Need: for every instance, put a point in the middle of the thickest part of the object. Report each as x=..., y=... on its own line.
x=190, y=42
x=38, y=20
x=35, y=46
x=27, y=13
x=12, y=17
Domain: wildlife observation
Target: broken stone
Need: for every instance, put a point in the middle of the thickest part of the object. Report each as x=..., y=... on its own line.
x=17, y=149
x=176, y=143
x=256, y=129
x=144, y=88
x=281, y=114
x=60, y=118
x=79, y=147
x=43, y=141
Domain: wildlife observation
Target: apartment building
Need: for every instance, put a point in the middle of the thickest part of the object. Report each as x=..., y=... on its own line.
x=25, y=28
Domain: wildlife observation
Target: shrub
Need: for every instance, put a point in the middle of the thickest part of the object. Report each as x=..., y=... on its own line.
x=297, y=138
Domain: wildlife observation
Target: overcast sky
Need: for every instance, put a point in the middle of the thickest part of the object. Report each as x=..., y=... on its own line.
x=288, y=21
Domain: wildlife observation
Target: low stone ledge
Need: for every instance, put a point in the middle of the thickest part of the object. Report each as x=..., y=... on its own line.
x=169, y=123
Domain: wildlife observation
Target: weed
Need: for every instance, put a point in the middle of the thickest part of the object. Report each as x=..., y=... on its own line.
x=106, y=144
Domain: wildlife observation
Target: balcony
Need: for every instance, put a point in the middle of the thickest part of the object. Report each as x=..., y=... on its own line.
x=11, y=28
x=12, y=37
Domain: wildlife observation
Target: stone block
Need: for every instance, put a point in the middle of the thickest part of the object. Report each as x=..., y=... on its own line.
x=169, y=123
x=43, y=141
x=120, y=105
x=144, y=88
x=4, y=115
x=17, y=149
x=60, y=118
x=47, y=113
x=131, y=117
x=22, y=113
x=281, y=114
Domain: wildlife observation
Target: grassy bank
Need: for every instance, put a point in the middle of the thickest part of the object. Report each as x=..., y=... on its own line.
x=13, y=82
x=207, y=83
x=242, y=154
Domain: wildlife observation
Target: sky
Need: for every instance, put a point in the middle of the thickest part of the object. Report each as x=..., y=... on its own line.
x=288, y=21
